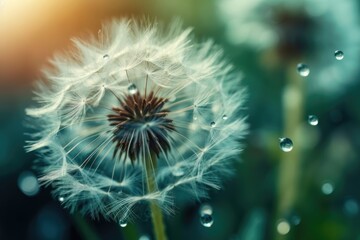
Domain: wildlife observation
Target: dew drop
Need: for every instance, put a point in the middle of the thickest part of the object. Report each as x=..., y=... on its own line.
x=132, y=88
x=327, y=188
x=283, y=227
x=206, y=220
x=61, y=199
x=106, y=57
x=206, y=209
x=178, y=171
x=295, y=220
x=303, y=69
x=339, y=55
x=313, y=120
x=144, y=237
x=195, y=117
x=224, y=117
x=123, y=223
x=172, y=99
x=351, y=207
x=286, y=144
x=212, y=124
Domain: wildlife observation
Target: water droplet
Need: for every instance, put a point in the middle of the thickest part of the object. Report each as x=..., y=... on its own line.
x=132, y=88
x=28, y=183
x=195, y=117
x=212, y=124
x=106, y=57
x=303, y=69
x=144, y=237
x=327, y=188
x=224, y=117
x=123, y=223
x=286, y=144
x=295, y=219
x=283, y=227
x=339, y=55
x=351, y=207
x=206, y=209
x=178, y=171
x=172, y=99
x=313, y=120
x=61, y=199
x=206, y=220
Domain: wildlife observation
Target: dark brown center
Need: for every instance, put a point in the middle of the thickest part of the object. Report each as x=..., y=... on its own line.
x=141, y=126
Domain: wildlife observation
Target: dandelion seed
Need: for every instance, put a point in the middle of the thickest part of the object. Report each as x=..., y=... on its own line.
x=111, y=134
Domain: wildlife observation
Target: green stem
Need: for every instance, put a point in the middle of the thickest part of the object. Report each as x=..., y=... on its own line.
x=156, y=214
x=290, y=163
x=84, y=228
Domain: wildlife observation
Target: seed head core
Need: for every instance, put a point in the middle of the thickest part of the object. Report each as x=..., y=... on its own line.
x=141, y=126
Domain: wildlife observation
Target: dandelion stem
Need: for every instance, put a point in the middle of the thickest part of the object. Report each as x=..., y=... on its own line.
x=156, y=214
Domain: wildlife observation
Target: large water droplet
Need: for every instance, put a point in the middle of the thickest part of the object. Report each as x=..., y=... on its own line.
x=303, y=69
x=327, y=188
x=132, y=88
x=61, y=199
x=286, y=144
x=224, y=117
x=212, y=124
x=206, y=220
x=339, y=55
x=283, y=227
x=123, y=223
x=313, y=120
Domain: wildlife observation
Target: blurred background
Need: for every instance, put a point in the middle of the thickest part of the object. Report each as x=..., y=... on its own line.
x=310, y=192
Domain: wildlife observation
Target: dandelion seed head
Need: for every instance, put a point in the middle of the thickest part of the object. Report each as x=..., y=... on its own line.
x=155, y=93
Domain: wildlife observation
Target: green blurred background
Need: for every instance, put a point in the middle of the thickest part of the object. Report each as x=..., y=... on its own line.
x=311, y=192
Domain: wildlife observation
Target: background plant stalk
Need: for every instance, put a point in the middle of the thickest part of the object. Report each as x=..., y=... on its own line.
x=290, y=162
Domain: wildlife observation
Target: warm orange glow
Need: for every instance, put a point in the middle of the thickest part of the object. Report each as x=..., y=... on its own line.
x=31, y=31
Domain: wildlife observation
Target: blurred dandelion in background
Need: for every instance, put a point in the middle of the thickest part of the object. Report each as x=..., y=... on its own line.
x=130, y=116
x=310, y=28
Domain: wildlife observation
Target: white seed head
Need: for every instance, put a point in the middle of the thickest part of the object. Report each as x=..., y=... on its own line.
x=98, y=118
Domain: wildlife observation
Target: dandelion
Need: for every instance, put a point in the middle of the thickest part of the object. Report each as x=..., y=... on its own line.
x=292, y=27
x=128, y=118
